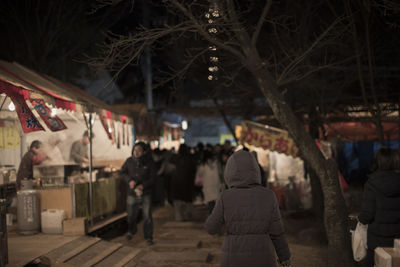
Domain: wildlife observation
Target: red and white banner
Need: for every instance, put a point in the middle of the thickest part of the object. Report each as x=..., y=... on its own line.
x=28, y=121
x=268, y=137
x=107, y=128
x=53, y=122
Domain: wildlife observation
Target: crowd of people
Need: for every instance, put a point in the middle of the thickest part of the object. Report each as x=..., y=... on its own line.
x=233, y=186
x=230, y=184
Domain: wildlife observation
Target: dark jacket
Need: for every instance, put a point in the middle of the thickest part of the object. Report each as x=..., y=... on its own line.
x=381, y=208
x=25, y=169
x=251, y=215
x=141, y=171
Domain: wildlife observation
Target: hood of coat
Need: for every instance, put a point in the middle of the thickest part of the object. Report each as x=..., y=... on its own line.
x=386, y=182
x=242, y=170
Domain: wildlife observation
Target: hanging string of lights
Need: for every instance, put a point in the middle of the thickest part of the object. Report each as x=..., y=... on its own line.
x=211, y=16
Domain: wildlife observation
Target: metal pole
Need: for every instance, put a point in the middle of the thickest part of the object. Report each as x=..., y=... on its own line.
x=90, y=171
x=147, y=62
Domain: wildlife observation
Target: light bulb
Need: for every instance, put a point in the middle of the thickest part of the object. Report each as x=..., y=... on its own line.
x=214, y=59
x=11, y=106
x=184, y=125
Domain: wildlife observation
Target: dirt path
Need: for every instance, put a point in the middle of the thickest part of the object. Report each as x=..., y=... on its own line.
x=187, y=243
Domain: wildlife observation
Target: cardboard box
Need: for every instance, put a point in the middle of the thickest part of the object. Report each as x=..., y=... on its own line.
x=387, y=257
x=75, y=226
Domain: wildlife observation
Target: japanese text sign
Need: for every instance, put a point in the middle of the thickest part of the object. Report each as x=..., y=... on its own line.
x=28, y=121
x=268, y=137
x=53, y=122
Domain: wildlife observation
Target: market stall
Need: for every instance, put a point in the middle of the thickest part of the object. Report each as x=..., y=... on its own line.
x=38, y=107
x=279, y=157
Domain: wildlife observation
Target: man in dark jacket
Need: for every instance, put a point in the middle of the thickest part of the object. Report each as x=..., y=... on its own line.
x=139, y=172
x=251, y=215
x=381, y=203
x=32, y=157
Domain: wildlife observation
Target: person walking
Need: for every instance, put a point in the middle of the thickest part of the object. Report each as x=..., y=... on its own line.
x=183, y=183
x=251, y=215
x=138, y=173
x=381, y=203
x=209, y=170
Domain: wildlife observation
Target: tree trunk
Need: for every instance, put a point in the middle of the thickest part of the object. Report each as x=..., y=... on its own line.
x=335, y=213
x=316, y=189
x=317, y=196
x=226, y=120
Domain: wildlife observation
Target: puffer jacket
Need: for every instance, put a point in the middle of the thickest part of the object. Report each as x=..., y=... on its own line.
x=142, y=171
x=381, y=208
x=251, y=215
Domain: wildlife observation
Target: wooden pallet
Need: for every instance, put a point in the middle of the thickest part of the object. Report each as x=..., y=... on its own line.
x=90, y=251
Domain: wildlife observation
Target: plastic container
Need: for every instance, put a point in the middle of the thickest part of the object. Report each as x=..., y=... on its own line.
x=28, y=215
x=52, y=221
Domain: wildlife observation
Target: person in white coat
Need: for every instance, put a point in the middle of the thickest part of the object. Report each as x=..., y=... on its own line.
x=209, y=170
x=52, y=150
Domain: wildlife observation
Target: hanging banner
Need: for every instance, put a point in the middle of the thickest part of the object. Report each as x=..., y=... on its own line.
x=104, y=122
x=113, y=133
x=11, y=137
x=119, y=139
x=28, y=121
x=2, y=145
x=267, y=137
x=54, y=123
x=123, y=132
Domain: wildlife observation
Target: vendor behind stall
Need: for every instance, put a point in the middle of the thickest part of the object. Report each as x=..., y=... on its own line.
x=32, y=157
x=79, y=149
x=52, y=150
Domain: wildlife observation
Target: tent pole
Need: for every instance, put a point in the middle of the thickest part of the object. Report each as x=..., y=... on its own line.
x=90, y=171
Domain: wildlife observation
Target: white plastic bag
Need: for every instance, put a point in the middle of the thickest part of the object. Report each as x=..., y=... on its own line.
x=359, y=241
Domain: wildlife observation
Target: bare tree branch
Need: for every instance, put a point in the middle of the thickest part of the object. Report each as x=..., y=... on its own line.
x=260, y=22
x=310, y=49
x=201, y=30
x=180, y=73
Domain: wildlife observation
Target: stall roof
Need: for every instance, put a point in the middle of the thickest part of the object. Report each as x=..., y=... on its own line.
x=57, y=93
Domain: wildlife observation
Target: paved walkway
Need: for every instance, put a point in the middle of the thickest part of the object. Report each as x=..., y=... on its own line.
x=188, y=244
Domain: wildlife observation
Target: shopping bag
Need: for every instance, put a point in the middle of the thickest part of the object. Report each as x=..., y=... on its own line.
x=359, y=241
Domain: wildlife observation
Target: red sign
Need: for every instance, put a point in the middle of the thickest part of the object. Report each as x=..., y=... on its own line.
x=268, y=137
x=28, y=121
x=53, y=122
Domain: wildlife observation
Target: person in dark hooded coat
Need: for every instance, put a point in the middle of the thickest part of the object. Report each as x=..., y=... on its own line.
x=381, y=203
x=251, y=215
x=183, y=183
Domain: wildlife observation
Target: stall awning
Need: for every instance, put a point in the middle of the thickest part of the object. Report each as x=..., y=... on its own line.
x=33, y=85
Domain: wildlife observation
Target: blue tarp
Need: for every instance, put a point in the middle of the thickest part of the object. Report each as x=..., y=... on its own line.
x=355, y=159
